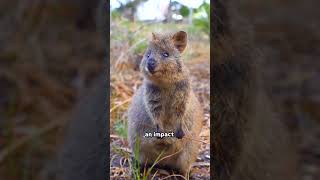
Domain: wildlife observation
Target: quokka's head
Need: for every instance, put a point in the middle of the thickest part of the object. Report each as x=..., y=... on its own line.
x=161, y=62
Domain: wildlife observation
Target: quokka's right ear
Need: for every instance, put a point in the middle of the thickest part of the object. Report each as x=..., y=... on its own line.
x=180, y=40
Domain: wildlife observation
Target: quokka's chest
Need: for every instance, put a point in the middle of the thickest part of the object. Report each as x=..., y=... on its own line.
x=165, y=101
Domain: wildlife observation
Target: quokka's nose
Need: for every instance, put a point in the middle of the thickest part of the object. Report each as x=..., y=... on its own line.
x=151, y=64
x=158, y=130
x=179, y=133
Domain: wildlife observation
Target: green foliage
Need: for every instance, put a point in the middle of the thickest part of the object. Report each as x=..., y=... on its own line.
x=140, y=48
x=135, y=35
x=126, y=23
x=136, y=159
x=121, y=128
x=184, y=11
x=201, y=18
x=115, y=15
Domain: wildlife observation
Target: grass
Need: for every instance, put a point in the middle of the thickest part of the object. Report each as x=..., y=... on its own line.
x=138, y=172
x=137, y=164
x=121, y=129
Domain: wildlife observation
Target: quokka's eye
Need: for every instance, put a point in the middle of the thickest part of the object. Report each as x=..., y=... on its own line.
x=148, y=54
x=165, y=54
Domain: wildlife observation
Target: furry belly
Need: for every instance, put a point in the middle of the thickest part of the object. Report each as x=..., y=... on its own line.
x=151, y=150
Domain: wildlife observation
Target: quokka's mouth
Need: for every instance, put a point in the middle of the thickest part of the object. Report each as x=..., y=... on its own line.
x=150, y=73
x=146, y=69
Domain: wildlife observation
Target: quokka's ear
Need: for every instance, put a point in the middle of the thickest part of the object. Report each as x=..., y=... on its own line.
x=154, y=36
x=180, y=40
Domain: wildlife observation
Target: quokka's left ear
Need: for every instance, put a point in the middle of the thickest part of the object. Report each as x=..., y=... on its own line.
x=180, y=40
x=154, y=36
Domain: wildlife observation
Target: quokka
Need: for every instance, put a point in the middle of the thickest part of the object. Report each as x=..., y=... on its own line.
x=165, y=102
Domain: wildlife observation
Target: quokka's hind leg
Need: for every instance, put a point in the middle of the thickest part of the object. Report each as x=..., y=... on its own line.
x=187, y=158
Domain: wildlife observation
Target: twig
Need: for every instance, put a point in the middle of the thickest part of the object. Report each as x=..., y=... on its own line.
x=174, y=175
x=170, y=155
x=124, y=102
x=114, y=136
x=200, y=164
x=154, y=175
x=196, y=140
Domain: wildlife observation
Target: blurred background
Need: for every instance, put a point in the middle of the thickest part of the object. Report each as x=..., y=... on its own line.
x=131, y=25
x=287, y=34
x=50, y=52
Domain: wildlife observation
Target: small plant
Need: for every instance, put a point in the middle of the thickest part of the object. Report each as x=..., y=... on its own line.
x=136, y=161
x=137, y=164
x=121, y=128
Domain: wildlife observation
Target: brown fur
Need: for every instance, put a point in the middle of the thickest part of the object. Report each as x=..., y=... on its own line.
x=165, y=102
x=249, y=140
